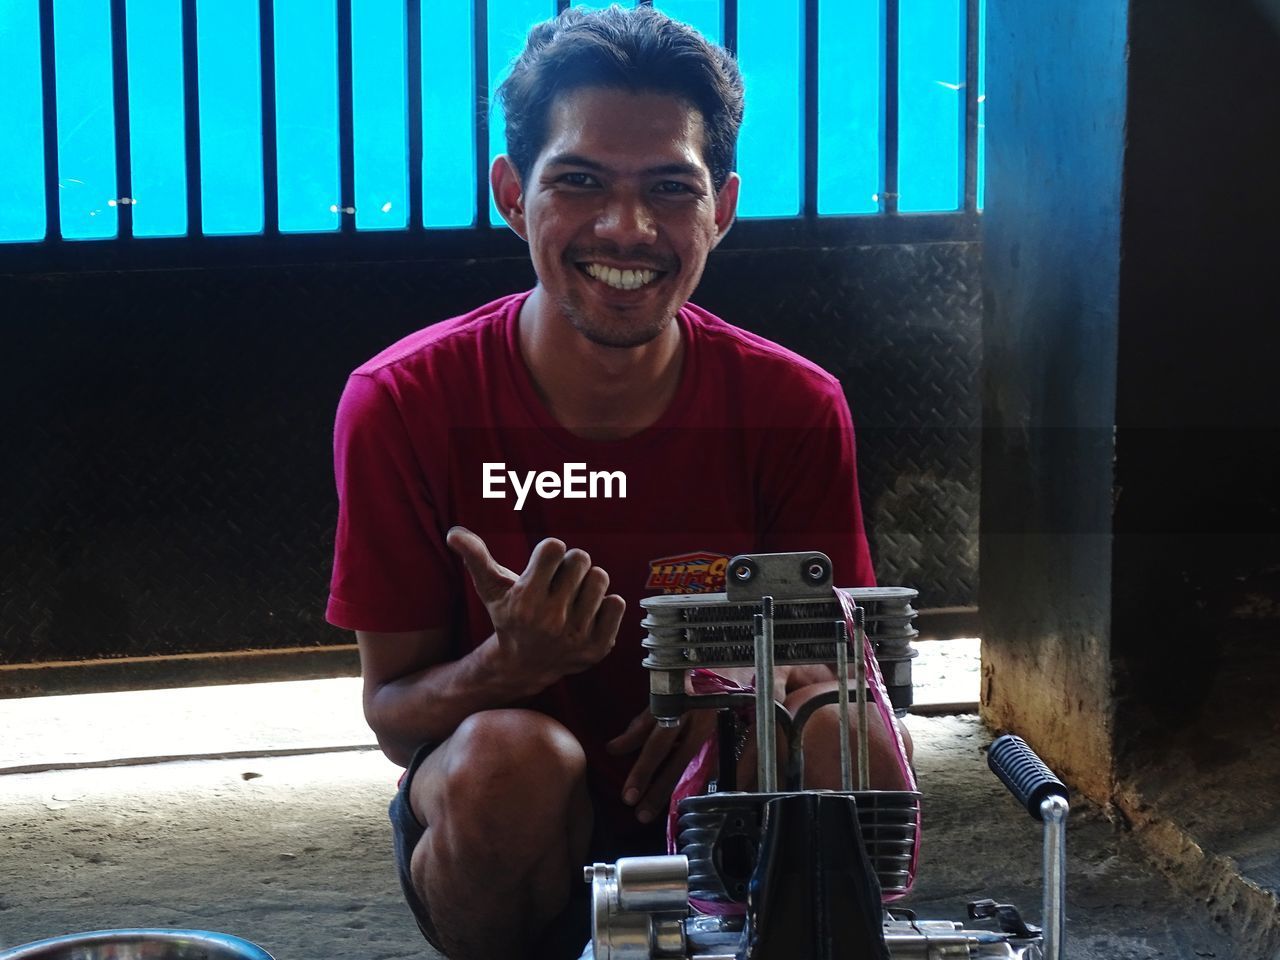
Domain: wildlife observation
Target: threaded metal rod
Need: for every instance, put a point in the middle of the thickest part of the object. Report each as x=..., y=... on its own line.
x=842, y=689
x=766, y=733
x=860, y=671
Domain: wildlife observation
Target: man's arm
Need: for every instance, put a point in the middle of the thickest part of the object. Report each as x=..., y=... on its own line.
x=413, y=693
x=552, y=620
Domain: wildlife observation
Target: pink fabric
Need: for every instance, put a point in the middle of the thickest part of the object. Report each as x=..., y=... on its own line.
x=697, y=775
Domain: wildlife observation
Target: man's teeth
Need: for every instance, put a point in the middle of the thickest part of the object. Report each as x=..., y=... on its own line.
x=621, y=279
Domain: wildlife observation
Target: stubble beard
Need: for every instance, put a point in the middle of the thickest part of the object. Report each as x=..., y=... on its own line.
x=606, y=333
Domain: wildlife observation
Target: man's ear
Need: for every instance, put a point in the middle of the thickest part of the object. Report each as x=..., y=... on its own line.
x=508, y=194
x=727, y=205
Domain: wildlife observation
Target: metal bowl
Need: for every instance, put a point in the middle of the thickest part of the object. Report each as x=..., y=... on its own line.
x=139, y=944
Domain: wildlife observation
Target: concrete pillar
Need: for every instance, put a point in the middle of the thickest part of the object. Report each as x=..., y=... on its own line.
x=1131, y=338
x=1056, y=88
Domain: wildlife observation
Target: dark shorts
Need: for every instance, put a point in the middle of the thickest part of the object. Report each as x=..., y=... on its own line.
x=571, y=930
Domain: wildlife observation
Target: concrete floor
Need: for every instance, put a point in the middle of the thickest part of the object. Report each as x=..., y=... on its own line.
x=291, y=850
x=1203, y=793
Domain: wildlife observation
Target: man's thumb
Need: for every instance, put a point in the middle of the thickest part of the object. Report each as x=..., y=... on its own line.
x=492, y=580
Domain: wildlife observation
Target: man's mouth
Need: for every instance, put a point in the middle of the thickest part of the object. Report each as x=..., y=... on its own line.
x=630, y=279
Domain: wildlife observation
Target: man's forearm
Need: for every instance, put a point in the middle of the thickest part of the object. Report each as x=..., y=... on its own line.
x=430, y=704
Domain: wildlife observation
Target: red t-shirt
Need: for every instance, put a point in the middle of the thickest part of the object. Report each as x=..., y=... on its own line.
x=754, y=454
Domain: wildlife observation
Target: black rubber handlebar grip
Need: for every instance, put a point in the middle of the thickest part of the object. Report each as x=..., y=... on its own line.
x=1025, y=774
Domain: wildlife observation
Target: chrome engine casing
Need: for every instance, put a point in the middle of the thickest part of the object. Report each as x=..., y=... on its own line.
x=670, y=934
x=779, y=609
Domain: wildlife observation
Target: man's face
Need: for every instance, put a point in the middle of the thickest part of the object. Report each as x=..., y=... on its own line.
x=619, y=211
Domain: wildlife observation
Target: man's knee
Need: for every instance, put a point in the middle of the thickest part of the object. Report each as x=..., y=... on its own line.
x=506, y=791
x=514, y=743
x=498, y=762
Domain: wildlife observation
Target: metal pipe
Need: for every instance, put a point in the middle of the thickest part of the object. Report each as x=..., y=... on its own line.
x=842, y=689
x=653, y=884
x=860, y=672
x=1053, y=811
x=766, y=733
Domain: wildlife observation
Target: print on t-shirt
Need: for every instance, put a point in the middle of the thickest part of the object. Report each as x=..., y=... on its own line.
x=699, y=572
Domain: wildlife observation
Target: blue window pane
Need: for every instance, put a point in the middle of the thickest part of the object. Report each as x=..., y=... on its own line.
x=509, y=23
x=380, y=129
x=86, y=119
x=22, y=213
x=157, y=151
x=448, y=114
x=982, y=103
x=230, y=79
x=770, y=54
x=930, y=105
x=850, y=117
x=702, y=15
x=309, y=187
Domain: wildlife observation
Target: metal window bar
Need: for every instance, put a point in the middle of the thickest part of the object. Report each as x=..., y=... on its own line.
x=48, y=77
x=120, y=91
x=346, y=124
x=729, y=17
x=480, y=55
x=970, y=159
x=270, y=172
x=191, y=96
x=809, y=140
x=479, y=240
x=413, y=59
x=889, y=112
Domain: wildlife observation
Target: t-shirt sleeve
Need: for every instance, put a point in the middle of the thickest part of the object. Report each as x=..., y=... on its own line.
x=391, y=569
x=812, y=500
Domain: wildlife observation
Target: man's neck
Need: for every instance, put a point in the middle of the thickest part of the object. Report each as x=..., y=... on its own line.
x=593, y=391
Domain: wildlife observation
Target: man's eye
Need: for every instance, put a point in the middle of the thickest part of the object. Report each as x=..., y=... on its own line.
x=578, y=179
x=674, y=186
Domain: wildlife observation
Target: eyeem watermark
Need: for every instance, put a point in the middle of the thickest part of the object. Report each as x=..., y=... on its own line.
x=574, y=482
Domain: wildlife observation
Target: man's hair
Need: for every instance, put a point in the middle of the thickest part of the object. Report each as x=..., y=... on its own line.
x=640, y=50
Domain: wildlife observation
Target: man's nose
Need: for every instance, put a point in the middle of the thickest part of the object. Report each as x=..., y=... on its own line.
x=626, y=220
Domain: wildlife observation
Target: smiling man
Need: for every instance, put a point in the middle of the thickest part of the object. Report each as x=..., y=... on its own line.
x=498, y=623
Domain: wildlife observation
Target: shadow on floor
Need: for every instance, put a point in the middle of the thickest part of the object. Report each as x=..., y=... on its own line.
x=294, y=854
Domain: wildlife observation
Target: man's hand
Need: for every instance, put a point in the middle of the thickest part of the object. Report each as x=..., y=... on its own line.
x=664, y=754
x=555, y=618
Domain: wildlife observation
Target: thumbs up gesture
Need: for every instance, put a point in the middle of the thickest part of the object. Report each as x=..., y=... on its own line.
x=554, y=619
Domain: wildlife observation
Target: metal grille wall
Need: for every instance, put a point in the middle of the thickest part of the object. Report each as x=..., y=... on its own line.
x=182, y=132
x=168, y=479
x=901, y=327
